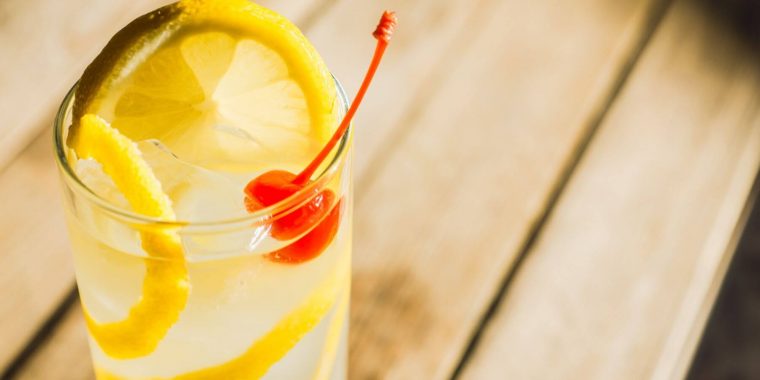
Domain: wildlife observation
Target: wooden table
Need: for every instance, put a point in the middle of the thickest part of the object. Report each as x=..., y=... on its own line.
x=545, y=189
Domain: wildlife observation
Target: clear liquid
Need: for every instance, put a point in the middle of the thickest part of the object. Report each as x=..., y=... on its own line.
x=236, y=296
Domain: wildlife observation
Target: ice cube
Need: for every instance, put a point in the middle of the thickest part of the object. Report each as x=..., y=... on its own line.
x=197, y=194
x=91, y=173
x=112, y=232
x=200, y=195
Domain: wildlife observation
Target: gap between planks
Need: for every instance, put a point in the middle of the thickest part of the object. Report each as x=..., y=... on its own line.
x=685, y=359
x=42, y=335
x=653, y=20
x=620, y=283
x=382, y=286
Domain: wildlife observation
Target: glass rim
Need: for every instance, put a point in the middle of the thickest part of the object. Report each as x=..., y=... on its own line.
x=295, y=200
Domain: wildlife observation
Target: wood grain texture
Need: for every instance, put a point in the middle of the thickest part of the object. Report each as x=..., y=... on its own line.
x=619, y=283
x=65, y=356
x=45, y=46
x=494, y=71
x=443, y=216
x=414, y=307
x=428, y=39
x=35, y=267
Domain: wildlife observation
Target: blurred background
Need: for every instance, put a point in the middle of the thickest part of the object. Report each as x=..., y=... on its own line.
x=546, y=189
x=731, y=342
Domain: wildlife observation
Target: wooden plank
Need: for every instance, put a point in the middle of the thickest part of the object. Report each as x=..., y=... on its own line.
x=444, y=217
x=45, y=46
x=491, y=75
x=35, y=272
x=35, y=267
x=620, y=281
x=424, y=40
x=65, y=355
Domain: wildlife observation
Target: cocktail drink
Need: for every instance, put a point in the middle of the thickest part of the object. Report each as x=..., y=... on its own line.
x=205, y=156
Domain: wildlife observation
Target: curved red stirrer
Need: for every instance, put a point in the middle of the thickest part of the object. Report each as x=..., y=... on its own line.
x=276, y=185
x=383, y=33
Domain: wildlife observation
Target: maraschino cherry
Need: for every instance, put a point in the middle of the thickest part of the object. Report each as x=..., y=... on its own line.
x=276, y=185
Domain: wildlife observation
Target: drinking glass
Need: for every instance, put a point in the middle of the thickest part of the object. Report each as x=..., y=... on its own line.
x=220, y=307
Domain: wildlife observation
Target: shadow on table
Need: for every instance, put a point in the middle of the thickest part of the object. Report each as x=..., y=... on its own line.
x=730, y=346
x=741, y=17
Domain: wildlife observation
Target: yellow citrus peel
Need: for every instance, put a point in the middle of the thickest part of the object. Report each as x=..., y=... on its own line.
x=225, y=84
x=278, y=341
x=165, y=286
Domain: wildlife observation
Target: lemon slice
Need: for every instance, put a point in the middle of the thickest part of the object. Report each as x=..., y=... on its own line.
x=165, y=286
x=225, y=84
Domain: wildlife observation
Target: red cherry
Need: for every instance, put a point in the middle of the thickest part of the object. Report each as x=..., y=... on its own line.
x=277, y=185
x=313, y=243
x=300, y=220
x=271, y=187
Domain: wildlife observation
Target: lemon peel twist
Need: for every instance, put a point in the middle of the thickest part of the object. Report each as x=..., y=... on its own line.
x=275, y=344
x=165, y=287
x=256, y=361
